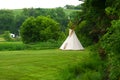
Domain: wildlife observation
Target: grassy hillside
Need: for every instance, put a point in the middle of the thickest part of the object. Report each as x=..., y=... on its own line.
x=17, y=11
x=69, y=11
x=1, y=38
x=36, y=65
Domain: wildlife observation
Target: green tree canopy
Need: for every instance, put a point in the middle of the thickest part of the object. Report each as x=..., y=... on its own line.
x=39, y=29
x=101, y=25
x=6, y=21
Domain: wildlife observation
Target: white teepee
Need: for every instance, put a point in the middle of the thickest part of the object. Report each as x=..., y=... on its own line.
x=72, y=42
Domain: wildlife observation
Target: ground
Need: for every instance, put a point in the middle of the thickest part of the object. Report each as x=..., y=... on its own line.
x=37, y=64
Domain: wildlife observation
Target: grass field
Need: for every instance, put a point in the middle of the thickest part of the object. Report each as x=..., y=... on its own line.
x=37, y=64
x=2, y=39
x=5, y=46
x=69, y=11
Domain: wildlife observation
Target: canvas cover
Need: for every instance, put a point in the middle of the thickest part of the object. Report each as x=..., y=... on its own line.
x=72, y=42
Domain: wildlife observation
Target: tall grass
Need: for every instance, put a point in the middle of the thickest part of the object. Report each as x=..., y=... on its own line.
x=12, y=46
x=44, y=45
x=90, y=68
x=21, y=46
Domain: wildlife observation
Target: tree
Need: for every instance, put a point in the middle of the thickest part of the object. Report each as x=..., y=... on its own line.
x=78, y=6
x=70, y=6
x=6, y=21
x=57, y=14
x=101, y=26
x=39, y=29
x=60, y=17
x=97, y=22
x=19, y=19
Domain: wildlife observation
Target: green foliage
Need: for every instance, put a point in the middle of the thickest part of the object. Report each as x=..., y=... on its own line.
x=57, y=14
x=62, y=36
x=74, y=16
x=11, y=20
x=70, y=11
x=4, y=46
x=80, y=29
x=93, y=13
x=70, y=6
x=19, y=19
x=27, y=32
x=50, y=44
x=73, y=7
x=111, y=43
x=89, y=68
x=112, y=38
x=6, y=21
x=96, y=24
x=6, y=36
x=114, y=62
x=39, y=29
x=109, y=10
x=13, y=46
x=112, y=9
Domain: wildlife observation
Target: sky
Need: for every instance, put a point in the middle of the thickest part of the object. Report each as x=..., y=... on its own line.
x=19, y=4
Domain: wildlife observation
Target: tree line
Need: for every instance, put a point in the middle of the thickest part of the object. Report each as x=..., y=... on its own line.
x=11, y=21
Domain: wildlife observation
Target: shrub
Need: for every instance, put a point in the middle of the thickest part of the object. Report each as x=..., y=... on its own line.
x=39, y=29
x=6, y=36
x=111, y=43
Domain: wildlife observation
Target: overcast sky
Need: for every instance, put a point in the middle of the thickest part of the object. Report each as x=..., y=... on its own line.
x=18, y=4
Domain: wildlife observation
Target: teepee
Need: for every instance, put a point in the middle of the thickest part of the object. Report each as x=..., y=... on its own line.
x=72, y=42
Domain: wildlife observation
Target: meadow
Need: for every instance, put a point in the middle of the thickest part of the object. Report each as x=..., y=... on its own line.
x=37, y=64
x=12, y=46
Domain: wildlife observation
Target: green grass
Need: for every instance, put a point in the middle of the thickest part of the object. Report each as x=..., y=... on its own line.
x=12, y=46
x=17, y=11
x=69, y=11
x=37, y=64
x=2, y=39
x=21, y=46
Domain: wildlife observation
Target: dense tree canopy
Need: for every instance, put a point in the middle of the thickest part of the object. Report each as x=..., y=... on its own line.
x=39, y=29
x=6, y=20
x=96, y=19
x=73, y=7
x=57, y=14
x=101, y=25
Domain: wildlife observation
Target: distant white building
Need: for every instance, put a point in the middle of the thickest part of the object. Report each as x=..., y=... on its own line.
x=12, y=35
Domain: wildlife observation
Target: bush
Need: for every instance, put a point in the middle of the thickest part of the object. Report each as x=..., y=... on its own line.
x=111, y=43
x=39, y=29
x=6, y=36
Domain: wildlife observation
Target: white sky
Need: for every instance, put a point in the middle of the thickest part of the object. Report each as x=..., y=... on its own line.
x=18, y=4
